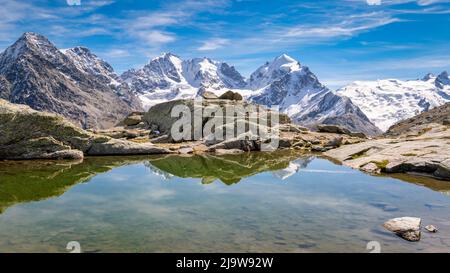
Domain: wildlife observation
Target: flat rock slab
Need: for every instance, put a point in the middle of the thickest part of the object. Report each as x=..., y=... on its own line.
x=121, y=147
x=427, y=154
x=406, y=227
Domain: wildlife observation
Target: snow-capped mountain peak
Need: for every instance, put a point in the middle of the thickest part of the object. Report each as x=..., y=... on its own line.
x=388, y=101
x=428, y=76
x=169, y=77
x=273, y=70
x=442, y=80
x=30, y=42
x=298, y=93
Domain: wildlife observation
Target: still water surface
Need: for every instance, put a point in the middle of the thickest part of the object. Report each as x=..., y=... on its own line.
x=258, y=202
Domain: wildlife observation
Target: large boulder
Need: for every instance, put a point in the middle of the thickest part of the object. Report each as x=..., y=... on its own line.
x=336, y=129
x=230, y=95
x=132, y=120
x=159, y=118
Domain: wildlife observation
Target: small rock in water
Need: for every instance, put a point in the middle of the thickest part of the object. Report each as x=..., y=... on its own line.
x=406, y=227
x=384, y=206
x=431, y=228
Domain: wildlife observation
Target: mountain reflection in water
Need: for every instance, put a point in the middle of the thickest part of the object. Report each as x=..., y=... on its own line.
x=25, y=181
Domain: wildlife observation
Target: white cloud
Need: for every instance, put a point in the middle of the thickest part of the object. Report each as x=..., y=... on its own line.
x=156, y=19
x=430, y=2
x=73, y=2
x=348, y=27
x=374, y=2
x=156, y=37
x=117, y=53
x=213, y=44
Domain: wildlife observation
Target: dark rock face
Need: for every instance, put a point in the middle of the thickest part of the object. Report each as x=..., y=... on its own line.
x=75, y=84
x=442, y=80
x=231, y=73
x=230, y=95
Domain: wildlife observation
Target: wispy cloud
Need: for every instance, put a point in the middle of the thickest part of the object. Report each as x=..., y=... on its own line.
x=213, y=44
x=345, y=28
x=117, y=53
x=155, y=37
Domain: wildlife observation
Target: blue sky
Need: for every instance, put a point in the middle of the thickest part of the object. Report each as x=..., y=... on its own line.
x=340, y=40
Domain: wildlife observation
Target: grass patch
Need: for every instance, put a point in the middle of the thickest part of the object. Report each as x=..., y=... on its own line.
x=139, y=140
x=358, y=154
x=355, y=156
x=409, y=154
x=381, y=164
x=423, y=131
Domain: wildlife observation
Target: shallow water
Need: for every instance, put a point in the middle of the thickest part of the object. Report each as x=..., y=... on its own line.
x=258, y=202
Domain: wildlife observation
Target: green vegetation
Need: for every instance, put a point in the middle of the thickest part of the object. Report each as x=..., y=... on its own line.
x=26, y=181
x=381, y=164
x=409, y=154
x=359, y=154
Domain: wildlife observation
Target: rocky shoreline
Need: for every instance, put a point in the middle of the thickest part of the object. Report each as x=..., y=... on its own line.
x=30, y=134
x=420, y=146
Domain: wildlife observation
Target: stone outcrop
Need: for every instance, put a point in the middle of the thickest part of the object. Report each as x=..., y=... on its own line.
x=406, y=227
x=426, y=152
x=230, y=95
x=413, y=126
x=29, y=134
x=336, y=129
x=208, y=95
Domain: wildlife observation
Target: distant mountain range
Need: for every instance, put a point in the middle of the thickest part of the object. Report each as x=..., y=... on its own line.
x=283, y=82
x=82, y=87
x=386, y=102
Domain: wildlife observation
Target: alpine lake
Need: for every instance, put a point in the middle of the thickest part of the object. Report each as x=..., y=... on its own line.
x=253, y=202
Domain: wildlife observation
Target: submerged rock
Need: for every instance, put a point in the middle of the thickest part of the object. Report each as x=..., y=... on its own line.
x=406, y=227
x=431, y=228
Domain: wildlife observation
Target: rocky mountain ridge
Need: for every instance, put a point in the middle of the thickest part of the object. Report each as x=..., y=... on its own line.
x=74, y=83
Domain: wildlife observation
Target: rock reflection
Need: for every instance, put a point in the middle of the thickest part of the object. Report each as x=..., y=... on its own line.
x=229, y=169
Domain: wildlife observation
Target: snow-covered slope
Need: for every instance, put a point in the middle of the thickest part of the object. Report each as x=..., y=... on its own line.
x=167, y=77
x=386, y=102
x=284, y=82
